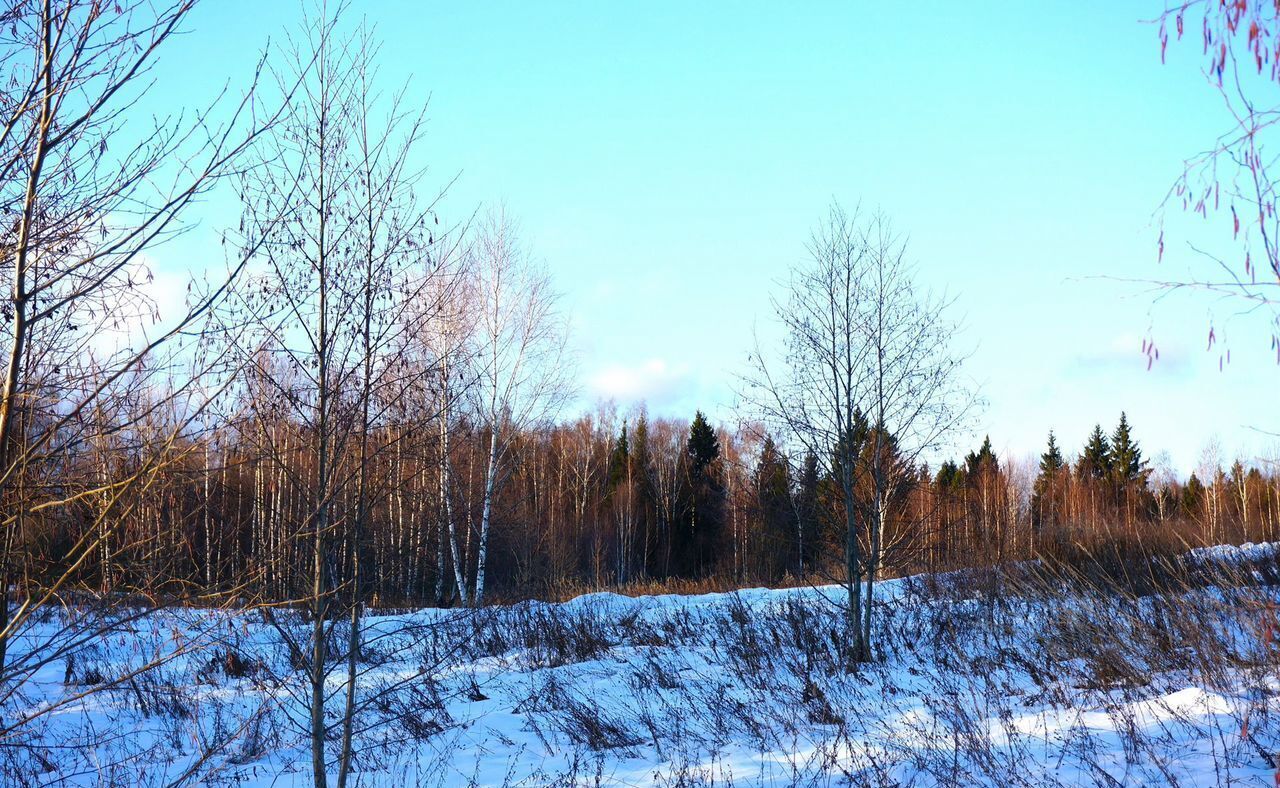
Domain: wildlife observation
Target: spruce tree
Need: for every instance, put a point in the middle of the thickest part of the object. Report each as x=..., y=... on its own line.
x=773, y=501
x=983, y=458
x=695, y=547
x=983, y=477
x=639, y=446
x=807, y=511
x=951, y=477
x=1125, y=458
x=1237, y=474
x=1095, y=460
x=703, y=446
x=618, y=460
x=643, y=483
x=1051, y=461
x=1044, y=508
x=1192, y=495
x=852, y=445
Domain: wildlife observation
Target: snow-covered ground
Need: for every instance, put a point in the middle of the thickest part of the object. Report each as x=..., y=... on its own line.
x=972, y=687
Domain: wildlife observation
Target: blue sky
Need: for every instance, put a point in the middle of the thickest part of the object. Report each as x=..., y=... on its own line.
x=667, y=161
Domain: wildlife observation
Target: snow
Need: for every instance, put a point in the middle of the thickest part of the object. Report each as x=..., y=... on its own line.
x=1245, y=552
x=744, y=688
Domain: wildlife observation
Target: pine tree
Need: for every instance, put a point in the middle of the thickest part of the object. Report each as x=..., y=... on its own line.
x=773, y=502
x=1045, y=510
x=1051, y=461
x=1192, y=495
x=981, y=460
x=639, y=446
x=950, y=477
x=807, y=512
x=703, y=446
x=1095, y=460
x=643, y=481
x=695, y=549
x=619, y=459
x=1125, y=457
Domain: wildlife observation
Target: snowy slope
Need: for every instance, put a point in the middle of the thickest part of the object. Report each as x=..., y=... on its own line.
x=972, y=687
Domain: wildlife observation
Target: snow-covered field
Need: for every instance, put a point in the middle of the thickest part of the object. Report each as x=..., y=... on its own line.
x=976, y=685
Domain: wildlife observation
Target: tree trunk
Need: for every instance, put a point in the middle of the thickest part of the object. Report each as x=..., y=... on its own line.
x=446, y=507
x=853, y=570
x=486, y=516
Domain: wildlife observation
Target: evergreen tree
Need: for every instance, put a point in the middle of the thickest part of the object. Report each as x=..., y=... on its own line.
x=641, y=459
x=1237, y=475
x=703, y=446
x=619, y=460
x=643, y=481
x=773, y=503
x=950, y=477
x=1045, y=509
x=1051, y=461
x=1125, y=458
x=807, y=512
x=1240, y=482
x=1192, y=495
x=853, y=444
x=982, y=460
x=694, y=548
x=983, y=471
x=1095, y=460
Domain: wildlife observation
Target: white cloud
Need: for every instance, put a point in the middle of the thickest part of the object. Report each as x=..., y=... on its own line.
x=654, y=380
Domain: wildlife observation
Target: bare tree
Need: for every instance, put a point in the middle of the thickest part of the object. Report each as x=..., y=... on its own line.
x=523, y=372
x=445, y=338
x=89, y=366
x=865, y=380
x=1164, y=480
x=407, y=267
x=1211, y=474
x=1019, y=484
x=344, y=279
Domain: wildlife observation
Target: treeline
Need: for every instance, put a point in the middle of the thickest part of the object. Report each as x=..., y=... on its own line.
x=603, y=501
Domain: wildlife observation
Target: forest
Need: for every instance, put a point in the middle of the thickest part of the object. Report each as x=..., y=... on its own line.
x=608, y=502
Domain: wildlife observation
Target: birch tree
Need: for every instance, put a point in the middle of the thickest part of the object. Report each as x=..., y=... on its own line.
x=522, y=375
x=343, y=279
x=865, y=380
